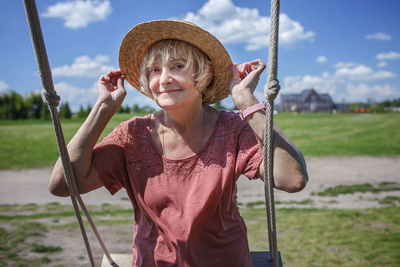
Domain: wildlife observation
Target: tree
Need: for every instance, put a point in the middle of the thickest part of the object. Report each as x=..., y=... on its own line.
x=81, y=113
x=65, y=111
x=34, y=104
x=12, y=106
x=87, y=110
x=135, y=108
x=45, y=112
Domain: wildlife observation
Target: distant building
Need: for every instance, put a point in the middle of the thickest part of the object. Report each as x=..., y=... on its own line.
x=306, y=101
x=340, y=107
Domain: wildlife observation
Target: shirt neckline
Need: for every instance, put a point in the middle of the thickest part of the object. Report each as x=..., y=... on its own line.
x=153, y=146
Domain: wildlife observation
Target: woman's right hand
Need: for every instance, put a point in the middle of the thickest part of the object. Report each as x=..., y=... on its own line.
x=111, y=90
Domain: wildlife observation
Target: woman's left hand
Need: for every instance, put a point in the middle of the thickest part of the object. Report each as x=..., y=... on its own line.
x=245, y=80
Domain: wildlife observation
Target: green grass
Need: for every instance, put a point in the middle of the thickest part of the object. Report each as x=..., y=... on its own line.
x=306, y=237
x=14, y=242
x=318, y=237
x=343, y=134
x=307, y=201
x=261, y=203
x=63, y=211
x=27, y=228
x=31, y=143
x=360, y=188
x=40, y=248
x=390, y=200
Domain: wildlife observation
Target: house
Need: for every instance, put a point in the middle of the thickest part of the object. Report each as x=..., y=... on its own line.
x=308, y=100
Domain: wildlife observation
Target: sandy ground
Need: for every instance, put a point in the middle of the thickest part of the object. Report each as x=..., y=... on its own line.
x=30, y=186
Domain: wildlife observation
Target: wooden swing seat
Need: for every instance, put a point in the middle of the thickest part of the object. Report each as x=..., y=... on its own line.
x=259, y=259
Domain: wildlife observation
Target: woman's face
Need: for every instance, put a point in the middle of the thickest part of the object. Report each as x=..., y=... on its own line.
x=171, y=84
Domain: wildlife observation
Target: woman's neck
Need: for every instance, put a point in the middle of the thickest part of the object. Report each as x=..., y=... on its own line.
x=184, y=120
x=178, y=136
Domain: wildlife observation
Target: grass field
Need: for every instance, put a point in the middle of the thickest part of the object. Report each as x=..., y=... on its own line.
x=30, y=144
x=343, y=134
x=306, y=237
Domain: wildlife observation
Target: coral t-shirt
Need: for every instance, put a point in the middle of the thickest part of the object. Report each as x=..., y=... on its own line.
x=185, y=210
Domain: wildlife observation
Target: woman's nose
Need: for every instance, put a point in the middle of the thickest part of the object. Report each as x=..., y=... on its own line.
x=165, y=77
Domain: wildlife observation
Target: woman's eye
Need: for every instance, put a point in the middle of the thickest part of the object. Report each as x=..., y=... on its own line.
x=179, y=66
x=154, y=70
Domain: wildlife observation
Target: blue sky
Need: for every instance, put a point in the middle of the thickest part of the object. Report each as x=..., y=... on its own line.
x=349, y=49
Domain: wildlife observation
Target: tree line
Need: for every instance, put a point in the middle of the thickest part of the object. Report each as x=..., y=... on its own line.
x=14, y=106
x=378, y=107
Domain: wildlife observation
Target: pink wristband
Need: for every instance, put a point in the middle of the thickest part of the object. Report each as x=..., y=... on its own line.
x=250, y=110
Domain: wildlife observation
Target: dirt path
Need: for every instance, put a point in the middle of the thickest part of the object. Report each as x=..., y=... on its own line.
x=30, y=185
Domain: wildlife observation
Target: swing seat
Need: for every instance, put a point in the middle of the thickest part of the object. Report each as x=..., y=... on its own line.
x=264, y=259
x=123, y=260
x=259, y=259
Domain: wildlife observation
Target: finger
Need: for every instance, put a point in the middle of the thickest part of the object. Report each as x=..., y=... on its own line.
x=103, y=78
x=242, y=70
x=247, y=67
x=256, y=65
x=113, y=80
x=120, y=82
x=243, y=67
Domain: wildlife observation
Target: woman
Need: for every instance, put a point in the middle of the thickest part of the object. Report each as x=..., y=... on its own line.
x=180, y=165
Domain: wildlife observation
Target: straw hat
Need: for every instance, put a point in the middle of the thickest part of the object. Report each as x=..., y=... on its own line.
x=138, y=40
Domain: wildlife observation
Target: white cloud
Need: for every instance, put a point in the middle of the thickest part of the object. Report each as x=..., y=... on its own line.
x=3, y=86
x=362, y=73
x=381, y=36
x=382, y=64
x=233, y=24
x=321, y=59
x=349, y=82
x=388, y=56
x=295, y=84
x=376, y=92
x=218, y=10
x=77, y=14
x=291, y=32
x=75, y=96
x=84, y=66
x=344, y=65
x=354, y=73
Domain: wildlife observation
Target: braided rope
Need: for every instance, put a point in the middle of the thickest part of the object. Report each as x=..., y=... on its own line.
x=52, y=99
x=271, y=90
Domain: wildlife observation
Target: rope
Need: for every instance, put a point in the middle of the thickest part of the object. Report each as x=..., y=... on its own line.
x=271, y=90
x=52, y=99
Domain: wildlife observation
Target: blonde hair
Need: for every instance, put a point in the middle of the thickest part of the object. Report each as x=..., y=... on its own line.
x=168, y=50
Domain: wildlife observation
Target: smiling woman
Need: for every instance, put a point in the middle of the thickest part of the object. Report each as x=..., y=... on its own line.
x=180, y=165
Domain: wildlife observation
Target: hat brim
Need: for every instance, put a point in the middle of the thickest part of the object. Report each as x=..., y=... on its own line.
x=139, y=39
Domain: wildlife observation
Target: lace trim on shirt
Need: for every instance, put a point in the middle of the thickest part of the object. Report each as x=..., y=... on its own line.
x=220, y=151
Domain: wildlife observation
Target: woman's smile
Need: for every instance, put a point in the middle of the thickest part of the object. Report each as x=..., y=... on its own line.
x=170, y=91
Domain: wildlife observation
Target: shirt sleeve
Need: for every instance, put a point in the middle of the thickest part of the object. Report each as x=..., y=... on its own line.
x=249, y=155
x=108, y=158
